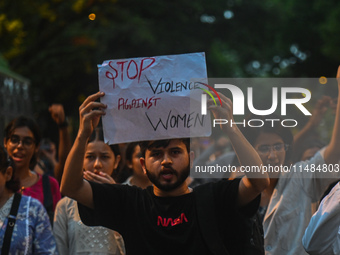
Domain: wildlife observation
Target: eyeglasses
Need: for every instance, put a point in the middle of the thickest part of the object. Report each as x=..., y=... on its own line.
x=266, y=149
x=27, y=142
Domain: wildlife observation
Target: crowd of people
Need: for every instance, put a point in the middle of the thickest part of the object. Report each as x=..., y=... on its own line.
x=138, y=198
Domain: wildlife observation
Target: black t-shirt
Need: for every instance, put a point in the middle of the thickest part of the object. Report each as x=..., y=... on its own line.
x=161, y=225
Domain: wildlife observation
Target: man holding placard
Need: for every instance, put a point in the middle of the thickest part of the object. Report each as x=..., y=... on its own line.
x=160, y=96
x=163, y=219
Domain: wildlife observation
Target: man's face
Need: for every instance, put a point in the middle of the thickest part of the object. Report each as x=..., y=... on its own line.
x=167, y=168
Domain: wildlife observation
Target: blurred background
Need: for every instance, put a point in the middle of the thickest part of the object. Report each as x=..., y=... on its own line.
x=49, y=49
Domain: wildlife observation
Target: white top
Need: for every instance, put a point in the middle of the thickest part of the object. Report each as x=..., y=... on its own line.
x=73, y=237
x=322, y=235
x=292, y=204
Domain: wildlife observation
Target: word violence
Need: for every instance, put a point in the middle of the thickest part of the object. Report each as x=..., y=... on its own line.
x=171, y=86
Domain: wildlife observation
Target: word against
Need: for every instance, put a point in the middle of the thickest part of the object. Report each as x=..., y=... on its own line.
x=128, y=104
x=238, y=100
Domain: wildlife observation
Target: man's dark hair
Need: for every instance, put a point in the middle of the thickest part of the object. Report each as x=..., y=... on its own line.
x=252, y=133
x=148, y=145
x=13, y=184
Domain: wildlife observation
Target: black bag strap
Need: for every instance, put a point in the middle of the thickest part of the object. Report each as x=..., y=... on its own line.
x=10, y=225
x=205, y=209
x=48, y=199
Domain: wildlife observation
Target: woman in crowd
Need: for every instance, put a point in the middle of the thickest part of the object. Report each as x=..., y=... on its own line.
x=22, y=140
x=72, y=236
x=31, y=233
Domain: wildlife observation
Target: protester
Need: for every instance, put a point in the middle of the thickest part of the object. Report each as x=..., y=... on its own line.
x=47, y=161
x=132, y=156
x=161, y=219
x=71, y=234
x=47, y=157
x=293, y=194
x=322, y=234
x=26, y=230
x=22, y=139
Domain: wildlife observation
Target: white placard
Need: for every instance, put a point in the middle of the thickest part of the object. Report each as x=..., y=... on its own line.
x=153, y=98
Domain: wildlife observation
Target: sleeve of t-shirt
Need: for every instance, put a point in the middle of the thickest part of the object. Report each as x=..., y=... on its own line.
x=226, y=192
x=111, y=201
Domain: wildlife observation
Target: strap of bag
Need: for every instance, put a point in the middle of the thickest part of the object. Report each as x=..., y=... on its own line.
x=48, y=199
x=10, y=225
x=206, y=220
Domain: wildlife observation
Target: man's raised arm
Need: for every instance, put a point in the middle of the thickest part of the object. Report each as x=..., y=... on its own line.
x=72, y=184
x=252, y=184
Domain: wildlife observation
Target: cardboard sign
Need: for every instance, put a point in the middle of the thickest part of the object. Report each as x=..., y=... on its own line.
x=153, y=98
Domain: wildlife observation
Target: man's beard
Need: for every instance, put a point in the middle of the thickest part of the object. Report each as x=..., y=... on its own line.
x=181, y=177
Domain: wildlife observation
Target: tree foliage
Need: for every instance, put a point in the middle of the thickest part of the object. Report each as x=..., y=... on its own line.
x=57, y=46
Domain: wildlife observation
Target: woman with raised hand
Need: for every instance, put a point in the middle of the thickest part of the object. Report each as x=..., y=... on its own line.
x=292, y=196
x=73, y=237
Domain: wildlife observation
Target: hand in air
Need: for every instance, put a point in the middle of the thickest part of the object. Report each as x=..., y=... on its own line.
x=89, y=114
